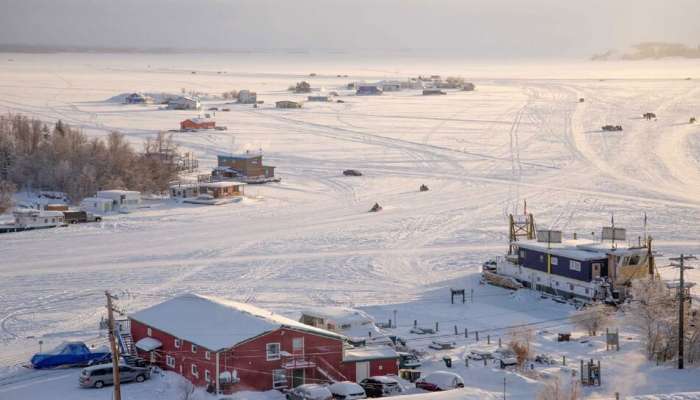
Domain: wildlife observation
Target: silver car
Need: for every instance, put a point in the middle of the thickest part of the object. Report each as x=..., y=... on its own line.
x=100, y=375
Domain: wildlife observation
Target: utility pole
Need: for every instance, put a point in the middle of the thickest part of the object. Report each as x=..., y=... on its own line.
x=113, y=346
x=681, y=305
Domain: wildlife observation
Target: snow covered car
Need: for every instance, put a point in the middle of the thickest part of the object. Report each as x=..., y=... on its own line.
x=380, y=386
x=422, y=331
x=442, y=345
x=352, y=172
x=347, y=391
x=505, y=358
x=479, y=354
x=66, y=354
x=440, y=380
x=309, y=391
x=408, y=361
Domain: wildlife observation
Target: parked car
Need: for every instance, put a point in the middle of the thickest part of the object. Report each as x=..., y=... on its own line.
x=66, y=354
x=440, y=380
x=352, y=172
x=442, y=345
x=422, y=331
x=347, y=391
x=75, y=217
x=479, y=354
x=408, y=361
x=98, y=376
x=505, y=358
x=213, y=109
x=309, y=391
x=380, y=386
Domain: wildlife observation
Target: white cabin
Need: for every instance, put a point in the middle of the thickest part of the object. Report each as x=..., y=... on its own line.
x=38, y=218
x=122, y=200
x=96, y=205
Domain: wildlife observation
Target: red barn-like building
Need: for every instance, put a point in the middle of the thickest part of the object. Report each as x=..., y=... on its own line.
x=198, y=123
x=233, y=346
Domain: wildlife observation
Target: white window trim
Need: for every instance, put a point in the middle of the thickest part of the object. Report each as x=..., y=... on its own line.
x=194, y=347
x=555, y=261
x=575, y=265
x=170, y=361
x=273, y=356
x=194, y=370
x=207, y=355
x=149, y=332
x=207, y=376
x=280, y=383
x=178, y=343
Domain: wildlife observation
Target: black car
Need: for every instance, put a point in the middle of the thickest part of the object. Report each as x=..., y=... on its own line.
x=380, y=386
x=352, y=172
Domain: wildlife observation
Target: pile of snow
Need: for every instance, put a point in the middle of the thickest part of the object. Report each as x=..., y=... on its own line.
x=457, y=394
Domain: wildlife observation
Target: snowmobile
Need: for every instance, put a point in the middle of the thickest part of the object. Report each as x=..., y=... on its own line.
x=375, y=208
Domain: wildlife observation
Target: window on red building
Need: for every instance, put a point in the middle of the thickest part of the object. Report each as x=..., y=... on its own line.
x=273, y=351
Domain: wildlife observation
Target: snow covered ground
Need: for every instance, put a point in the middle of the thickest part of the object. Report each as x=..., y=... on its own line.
x=309, y=241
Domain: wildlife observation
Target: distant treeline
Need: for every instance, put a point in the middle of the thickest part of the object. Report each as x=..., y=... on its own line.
x=35, y=156
x=651, y=51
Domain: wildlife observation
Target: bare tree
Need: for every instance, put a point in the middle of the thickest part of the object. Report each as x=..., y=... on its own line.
x=7, y=190
x=593, y=318
x=185, y=390
x=520, y=342
x=555, y=390
x=653, y=310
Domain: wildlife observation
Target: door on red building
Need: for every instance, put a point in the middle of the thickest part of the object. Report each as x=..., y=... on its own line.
x=361, y=370
x=297, y=377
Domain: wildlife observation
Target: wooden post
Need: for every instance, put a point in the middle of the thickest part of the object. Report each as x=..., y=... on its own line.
x=477, y=335
x=563, y=360
x=466, y=333
x=499, y=341
x=113, y=346
x=218, y=372
x=488, y=339
x=415, y=323
x=436, y=327
x=456, y=332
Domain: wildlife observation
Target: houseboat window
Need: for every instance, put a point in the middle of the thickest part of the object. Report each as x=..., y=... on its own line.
x=556, y=283
x=207, y=355
x=194, y=348
x=279, y=378
x=195, y=370
x=541, y=258
x=538, y=279
x=555, y=261
x=149, y=332
x=177, y=343
x=633, y=260
x=207, y=375
x=170, y=361
x=46, y=220
x=273, y=351
x=575, y=265
x=522, y=253
x=298, y=344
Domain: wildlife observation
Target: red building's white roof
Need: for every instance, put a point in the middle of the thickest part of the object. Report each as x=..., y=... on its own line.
x=216, y=323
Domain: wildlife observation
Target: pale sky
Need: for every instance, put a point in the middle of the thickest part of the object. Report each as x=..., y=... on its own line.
x=479, y=28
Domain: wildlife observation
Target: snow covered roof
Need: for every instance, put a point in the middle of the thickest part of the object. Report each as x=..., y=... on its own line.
x=115, y=192
x=240, y=156
x=339, y=315
x=148, y=344
x=215, y=323
x=568, y=249
x=369, y=353
x=221, y=184
x=37, y=213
